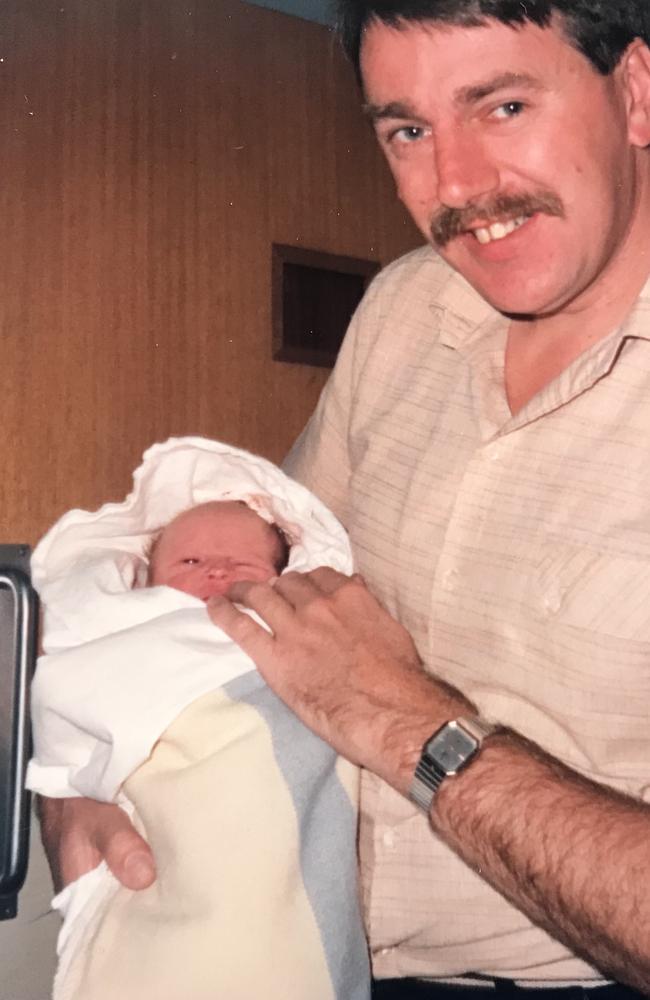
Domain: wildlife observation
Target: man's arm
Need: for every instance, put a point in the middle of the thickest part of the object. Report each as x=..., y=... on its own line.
x=79, y=833
x=572, y=855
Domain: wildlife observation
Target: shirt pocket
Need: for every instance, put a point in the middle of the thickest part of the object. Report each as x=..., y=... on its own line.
x=603, y=593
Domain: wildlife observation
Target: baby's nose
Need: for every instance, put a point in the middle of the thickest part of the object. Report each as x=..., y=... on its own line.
x=218, y=568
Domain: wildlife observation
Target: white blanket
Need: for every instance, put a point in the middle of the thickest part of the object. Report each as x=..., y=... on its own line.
x=122, y=664
x=88, y=737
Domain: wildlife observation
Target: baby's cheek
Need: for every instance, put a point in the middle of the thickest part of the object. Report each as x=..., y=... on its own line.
x=187, y=582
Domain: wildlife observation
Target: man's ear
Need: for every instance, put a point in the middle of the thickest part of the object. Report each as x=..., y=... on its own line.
x=635, y=68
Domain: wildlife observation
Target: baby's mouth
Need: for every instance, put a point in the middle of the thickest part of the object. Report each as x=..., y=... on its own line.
x=497, y=230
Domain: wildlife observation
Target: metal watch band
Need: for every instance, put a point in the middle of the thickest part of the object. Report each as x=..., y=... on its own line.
x=426, y=782
x=429, y=775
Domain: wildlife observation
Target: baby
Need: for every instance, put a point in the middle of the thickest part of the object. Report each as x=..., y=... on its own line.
x=207, y=548
x=141, y=700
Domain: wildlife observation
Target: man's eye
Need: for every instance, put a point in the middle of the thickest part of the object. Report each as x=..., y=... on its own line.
x=406, y=134
x=190, y=561
x=509, y=110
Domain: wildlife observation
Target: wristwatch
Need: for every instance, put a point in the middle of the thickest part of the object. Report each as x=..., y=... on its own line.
x=448, y=751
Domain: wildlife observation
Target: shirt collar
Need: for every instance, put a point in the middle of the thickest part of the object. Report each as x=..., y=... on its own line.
x=471, y=326
x=466, y=314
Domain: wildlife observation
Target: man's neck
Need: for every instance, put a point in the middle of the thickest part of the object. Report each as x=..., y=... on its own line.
x=539, y=351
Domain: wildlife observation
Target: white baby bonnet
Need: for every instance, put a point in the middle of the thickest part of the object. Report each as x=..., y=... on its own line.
x=104, y=551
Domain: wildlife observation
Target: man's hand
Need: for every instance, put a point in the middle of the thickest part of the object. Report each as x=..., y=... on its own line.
x=521, y=819
x=343, y=664
x=79, y=833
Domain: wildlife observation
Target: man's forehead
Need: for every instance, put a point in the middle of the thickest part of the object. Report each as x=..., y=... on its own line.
x=470, y=93
x=472, y=61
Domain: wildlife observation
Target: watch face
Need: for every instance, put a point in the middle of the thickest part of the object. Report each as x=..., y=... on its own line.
x=451, y=748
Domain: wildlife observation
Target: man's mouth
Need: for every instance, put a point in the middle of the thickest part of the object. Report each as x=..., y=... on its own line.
x=509, y=212
x=497, y=230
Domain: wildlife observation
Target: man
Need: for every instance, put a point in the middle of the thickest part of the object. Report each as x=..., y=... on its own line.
x=484, y=440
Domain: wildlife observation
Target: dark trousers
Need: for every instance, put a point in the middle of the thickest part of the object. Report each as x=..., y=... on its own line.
x=419, y=989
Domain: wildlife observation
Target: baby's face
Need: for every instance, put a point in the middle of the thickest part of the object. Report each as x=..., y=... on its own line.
x=206, y=549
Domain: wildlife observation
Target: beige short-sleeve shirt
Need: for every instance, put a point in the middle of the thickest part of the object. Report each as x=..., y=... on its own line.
x=516, y=550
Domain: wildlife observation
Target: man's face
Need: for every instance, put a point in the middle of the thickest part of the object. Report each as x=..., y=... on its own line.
x=206, y=549
x=511, y=153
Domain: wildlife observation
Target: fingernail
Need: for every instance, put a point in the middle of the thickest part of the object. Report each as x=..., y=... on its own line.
x=139, y=869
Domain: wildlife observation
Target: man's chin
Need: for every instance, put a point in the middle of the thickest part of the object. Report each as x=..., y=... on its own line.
x=509, y=296
x=523, y=308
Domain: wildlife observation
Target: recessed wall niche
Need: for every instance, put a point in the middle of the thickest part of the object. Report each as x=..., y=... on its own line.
x=314, y=297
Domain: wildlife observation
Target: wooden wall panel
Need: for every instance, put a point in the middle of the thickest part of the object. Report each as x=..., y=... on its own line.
x=151, y=151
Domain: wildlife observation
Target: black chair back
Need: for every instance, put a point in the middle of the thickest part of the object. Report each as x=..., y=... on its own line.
x=18, y=638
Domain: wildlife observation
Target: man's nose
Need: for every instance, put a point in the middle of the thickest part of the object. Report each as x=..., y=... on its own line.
x=465, y=170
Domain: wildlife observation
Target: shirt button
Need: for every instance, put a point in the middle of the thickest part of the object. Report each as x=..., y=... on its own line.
x=553, y=601
x=388, y=839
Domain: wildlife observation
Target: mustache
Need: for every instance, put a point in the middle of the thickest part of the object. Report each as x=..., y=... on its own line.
x=448, y=223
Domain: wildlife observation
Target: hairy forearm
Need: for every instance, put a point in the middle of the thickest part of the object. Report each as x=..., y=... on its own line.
x=572, y=855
